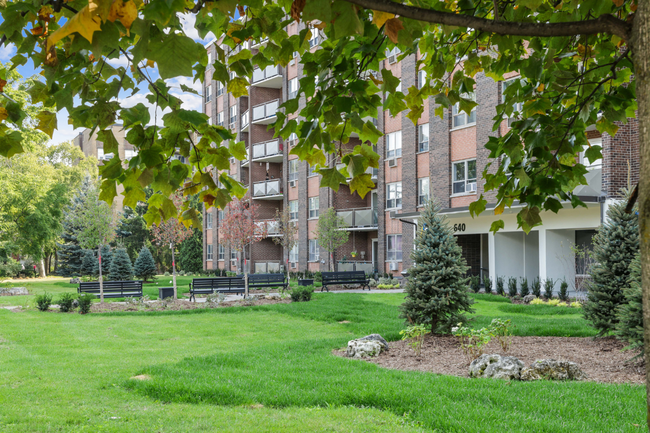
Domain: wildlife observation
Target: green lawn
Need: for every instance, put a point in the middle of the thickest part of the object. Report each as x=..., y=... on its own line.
x=212, y=369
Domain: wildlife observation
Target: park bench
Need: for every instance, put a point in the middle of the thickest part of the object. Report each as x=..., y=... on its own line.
x=206, y=286
x=260, y=281
x=113, y=289
x=347, y=277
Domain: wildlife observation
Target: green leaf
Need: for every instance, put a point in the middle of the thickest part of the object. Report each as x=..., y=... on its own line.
x=238, y=86
x=174, y=54
x=317, y=10
x=193, y=117
x=528, y=217
x=362, y=184
x=108, y=191
x=10, y=144
x=46, y=122
x=108, y=138
x=238, y=150
x=332, y=178
x=136, y=115
x=184, y=88
x=346, y=20
x=478, y=206
x=390, y=82
x=593, y=154
x=497, y=225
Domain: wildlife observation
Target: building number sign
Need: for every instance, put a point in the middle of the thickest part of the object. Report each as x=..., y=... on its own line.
x=459, y=227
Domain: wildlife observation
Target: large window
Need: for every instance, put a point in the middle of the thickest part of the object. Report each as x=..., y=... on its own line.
x=313, y=207
x=208, y=92
x=394, y=145
x=293, y=254
x=293, y=88
x=460, y=117
x=423, y=138
x=292, y=140
x=220, y=88
x=312, y=171
x=293, y=169
x=464, y=176
x=233, y=255
x=209, y=60
x=220, y=216
x=517, y=107
x=208, y=220
x=233, y=116
x=222, y=252
x=130, y=153
x=315, y=37
x=394, y=195
x=220, y=118
x=313, y=250
x=293, y=210
x=394, y=248
x=209, y=252
x=423, y=191
x=422, y=78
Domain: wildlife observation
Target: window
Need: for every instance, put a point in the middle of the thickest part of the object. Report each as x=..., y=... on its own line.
x=464, y=176
x=209, y=59
x=313, y=250
x=208, y=92
x=517, y=107
x=293, y=169
x=219, y=88
x=394, y=195
x=423, y=191
x=222, y=253
x=394, y=248
x=313, y=207
x=294, y=58
x=220, y=118
x=100, y=153
x=423, y=138
x=392, y=55
x=293, y=88
x=315, y=37
x=292, y=140
x=460, y=117
x=233, y=115
x=585, y=161
x=293, y=210
x=394, y=145
x=209, y=253
x=293, y=254
x=220, y=215
x=312, y=171
x=208, y=220
x=422, y=78
x=130, y=153
x=232, y=75
x=233, y=255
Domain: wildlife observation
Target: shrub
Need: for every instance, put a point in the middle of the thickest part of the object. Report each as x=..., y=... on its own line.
x=43, y=301
x=564, y=291
x=562, y=304
x=475, y=283
x=524, y=287
x=630, y=314
x=166, y=274
x=487, y=282
x=500, y=329
x=536, y=288
x=66, y=302
x=549, y=286
x=500, y=290
x=9, y=267
x=512, y=287
x=372, y=282
x=577, y=304
x=554, y=302
x=190, y=256
x=415, y=334
x=472, y=341
x=145, y=266
x=121, y=269
x=537, y=301
x=318, y=277
x=301, y=293
x=85, y=301
x=29, y=270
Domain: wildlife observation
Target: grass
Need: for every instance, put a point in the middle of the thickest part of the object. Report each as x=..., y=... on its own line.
x=211, y=369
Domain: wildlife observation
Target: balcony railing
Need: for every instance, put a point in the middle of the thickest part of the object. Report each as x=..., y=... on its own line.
x=245, y=120
x=270, y=71
x=265, y=113
x=272, y=227
x=267, y=267
x=347, y=266
x=269, y=150
x=359, y=218
x=267, y=188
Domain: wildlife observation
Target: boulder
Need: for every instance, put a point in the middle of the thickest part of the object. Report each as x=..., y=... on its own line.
x=75, y=281
x=528, y=298
x=496, y=367
x=16, y=291
x=363, y=349
x=376, y=337
x=553, y=370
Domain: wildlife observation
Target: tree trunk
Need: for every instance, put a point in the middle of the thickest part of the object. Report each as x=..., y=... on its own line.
x=641, y=49
x=174, y=272
x=245, y=273
x=101, y=282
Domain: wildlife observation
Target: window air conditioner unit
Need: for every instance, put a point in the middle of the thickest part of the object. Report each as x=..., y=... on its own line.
x=392, y=58
x=232, y=126
x=471, y=187
x=292, y=183
x=393, y=266
x=293, y=265
x=392, y=162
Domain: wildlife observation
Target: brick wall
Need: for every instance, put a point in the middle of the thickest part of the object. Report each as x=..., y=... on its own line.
x=487, y=97
x=471, y=245
x=618, y=152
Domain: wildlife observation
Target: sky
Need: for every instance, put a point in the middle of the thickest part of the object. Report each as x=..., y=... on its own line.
x=66, y=132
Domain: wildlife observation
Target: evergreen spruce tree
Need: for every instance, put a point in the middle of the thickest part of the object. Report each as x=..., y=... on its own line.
x=121, y=268
x=88, y=263
x=630, y=314
x=191, y=253
x=437, y=290
x=69, y=252
x=615, y=246
x=145, y=267
x=106, y=262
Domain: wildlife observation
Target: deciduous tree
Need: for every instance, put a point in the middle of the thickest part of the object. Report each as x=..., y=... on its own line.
x=289, y=234
x=329, y=234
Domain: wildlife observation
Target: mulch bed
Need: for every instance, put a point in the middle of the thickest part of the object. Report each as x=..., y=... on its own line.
x=601, y=359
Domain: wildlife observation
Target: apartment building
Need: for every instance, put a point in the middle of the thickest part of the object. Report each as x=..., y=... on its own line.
x=439, y=158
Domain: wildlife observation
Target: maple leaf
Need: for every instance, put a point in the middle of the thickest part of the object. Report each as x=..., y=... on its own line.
x=379, y=17
x=85, y=22
x=296, y=9
x=3, y=83
x=3, y=113
x=126, y=12
x=393, y=26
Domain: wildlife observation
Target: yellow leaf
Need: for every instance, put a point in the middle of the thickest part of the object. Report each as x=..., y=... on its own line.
x=540, y=88
x=393, y=26
x=150, y=63
x=101, y=8
x=618, y=3
x=376, y=81
x=3, y=113
x=499, y=209
x=379, y=17
x=126, y=12
x=86, y=22
x=233, y=28
x=320, y=26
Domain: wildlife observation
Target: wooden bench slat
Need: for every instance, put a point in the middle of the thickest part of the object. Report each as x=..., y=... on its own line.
x=344, y=277
x=113, y=289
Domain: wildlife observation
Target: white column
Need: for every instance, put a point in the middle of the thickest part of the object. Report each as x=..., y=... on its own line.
x=542, y=255
x=492, y=264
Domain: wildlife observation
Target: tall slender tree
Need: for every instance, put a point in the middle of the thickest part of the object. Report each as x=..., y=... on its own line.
x=289, y=234
x=329, y=234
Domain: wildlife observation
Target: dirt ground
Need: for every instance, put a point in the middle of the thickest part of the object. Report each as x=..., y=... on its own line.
x=601, y=359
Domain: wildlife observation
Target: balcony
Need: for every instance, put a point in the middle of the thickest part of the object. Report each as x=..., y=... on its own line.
x=268, y=190
x=359, y=220
x=269, y=151
x=269, y=77
x=264, y=114
x=267, y=267
x=348, y=266
x=272, y=228
x=257, y=44
x=374, y=172
x=245, y=121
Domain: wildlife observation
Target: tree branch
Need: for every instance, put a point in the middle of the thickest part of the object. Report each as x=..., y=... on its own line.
x=603, y=24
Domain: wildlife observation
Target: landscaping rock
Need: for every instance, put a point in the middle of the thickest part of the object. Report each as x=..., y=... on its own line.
x=529, y=298
x=376, y=337
x=553, y=370
x=75, y=281
x=14, y=291
x=496, y=367
x=363, y=349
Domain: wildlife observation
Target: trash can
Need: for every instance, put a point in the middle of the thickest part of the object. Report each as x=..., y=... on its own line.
x=165, y=292
x=306, y=282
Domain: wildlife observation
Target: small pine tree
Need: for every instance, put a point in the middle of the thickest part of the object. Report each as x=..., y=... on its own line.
x=190, y=256
x=121, y=269
x=512, y=287
x=563, y=294
x=500, y=290
x=145, y=266
x=536, y=288
x=88, y=263
x=630, y=314
x=524, y=287
x=549, y=286
x=437, y=288
x=615, y=246
x=106, y=262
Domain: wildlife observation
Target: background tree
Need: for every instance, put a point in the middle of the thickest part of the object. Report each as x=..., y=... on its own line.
x=329, y=234
x=121, y=268
x=289, y=231
x=132, y=230
x=144, y=266
x=191, y=252
x=70, y=254
x=240, y=218
x=107, y=258
x=170, y=234
x=437, y=291
x=629, y=316
x=88, y=263
x=615, y=246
